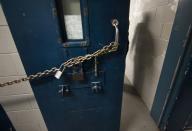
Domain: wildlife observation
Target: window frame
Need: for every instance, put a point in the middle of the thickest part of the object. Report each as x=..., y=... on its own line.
x=85, y=29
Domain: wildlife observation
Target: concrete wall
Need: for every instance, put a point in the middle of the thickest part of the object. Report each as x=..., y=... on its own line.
x=150, y=26
x=17, y=100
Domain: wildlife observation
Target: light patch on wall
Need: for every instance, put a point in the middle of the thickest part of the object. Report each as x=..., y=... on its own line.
x=149, y=31
x=174, y=5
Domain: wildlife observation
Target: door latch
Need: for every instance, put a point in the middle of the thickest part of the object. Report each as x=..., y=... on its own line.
x=96, y=87
x=65, y=90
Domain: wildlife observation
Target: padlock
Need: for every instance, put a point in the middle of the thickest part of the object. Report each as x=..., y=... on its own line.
x=58, y=74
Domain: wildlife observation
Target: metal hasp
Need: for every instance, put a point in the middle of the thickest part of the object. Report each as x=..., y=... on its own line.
x=37, y=37
x=65, y=90
x=96, y=87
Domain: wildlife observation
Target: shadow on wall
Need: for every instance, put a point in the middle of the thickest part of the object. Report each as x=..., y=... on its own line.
x=142, y=51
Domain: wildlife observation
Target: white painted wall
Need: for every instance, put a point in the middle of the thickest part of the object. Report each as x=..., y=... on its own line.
x=18, y=100
x=150, y=26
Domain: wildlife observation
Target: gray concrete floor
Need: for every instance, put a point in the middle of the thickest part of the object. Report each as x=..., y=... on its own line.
x=135, y=115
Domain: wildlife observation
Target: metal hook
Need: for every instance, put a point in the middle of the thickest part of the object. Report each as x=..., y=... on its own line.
x=115, y=23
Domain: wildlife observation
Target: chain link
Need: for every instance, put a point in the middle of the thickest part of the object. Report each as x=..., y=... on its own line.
x=71, y=62
x=113, y=46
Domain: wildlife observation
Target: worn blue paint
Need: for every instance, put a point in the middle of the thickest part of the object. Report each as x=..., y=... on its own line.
x=36, y=31
x=5, y=123
x=166, y=93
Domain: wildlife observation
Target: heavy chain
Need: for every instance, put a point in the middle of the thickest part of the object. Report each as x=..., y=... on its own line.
x=113, y=46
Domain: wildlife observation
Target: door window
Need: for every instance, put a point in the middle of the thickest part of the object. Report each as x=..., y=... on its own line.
x=72, y=19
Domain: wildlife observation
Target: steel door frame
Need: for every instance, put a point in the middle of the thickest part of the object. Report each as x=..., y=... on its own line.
x=174, y=65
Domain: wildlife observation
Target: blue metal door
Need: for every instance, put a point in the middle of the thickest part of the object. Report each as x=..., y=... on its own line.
x=43, y=42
